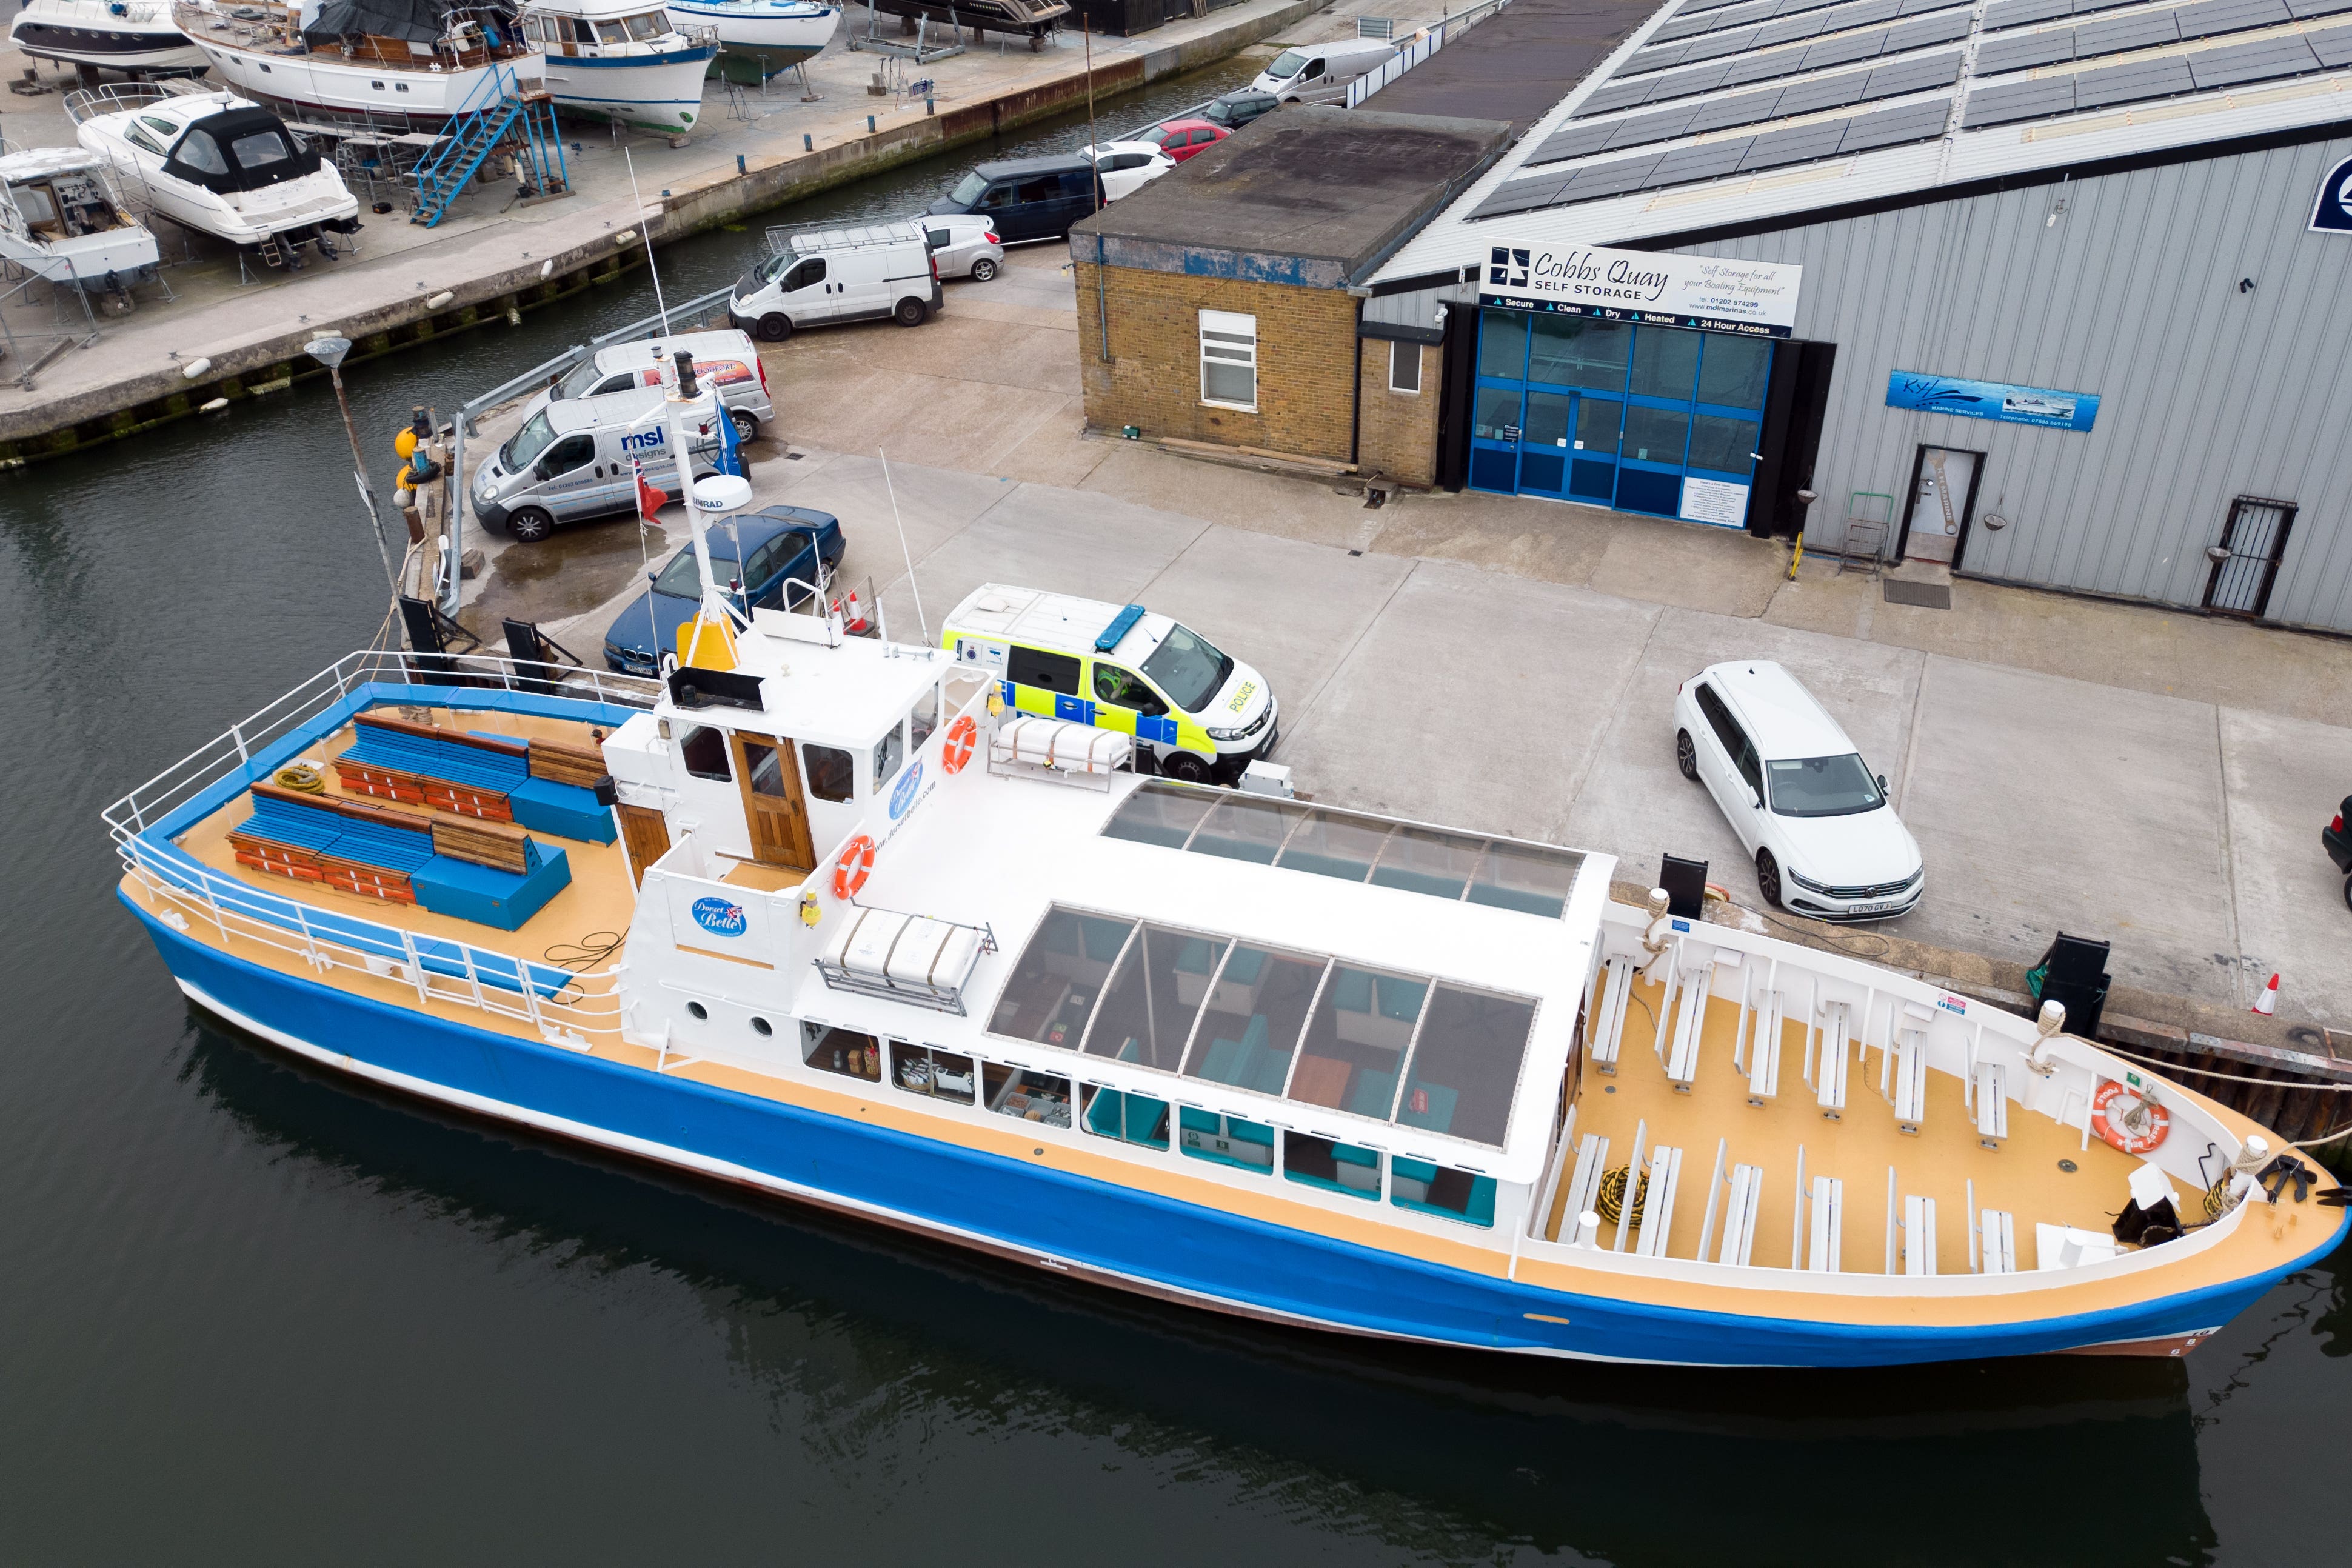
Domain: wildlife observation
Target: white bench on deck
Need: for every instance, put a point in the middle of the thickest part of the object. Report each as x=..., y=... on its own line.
x=1996, y=1232
x=1829, y=1063
x=1990, y=1088
x=1764, y=1050
x=1909, y=1058
x=1658, y=1203
x=1609, y=1027
x=1918, y=1235
x=1827, y=1217
x=1681, y=1056
x=1584, y=1186
x=1739, y=1217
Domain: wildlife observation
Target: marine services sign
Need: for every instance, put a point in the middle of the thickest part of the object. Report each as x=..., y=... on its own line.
x=1710, y=293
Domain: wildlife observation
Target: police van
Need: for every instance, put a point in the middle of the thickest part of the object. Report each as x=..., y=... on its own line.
x=579, y=457
x=1200, y=713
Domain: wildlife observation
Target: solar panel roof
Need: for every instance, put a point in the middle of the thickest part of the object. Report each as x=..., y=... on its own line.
x=1720, y=89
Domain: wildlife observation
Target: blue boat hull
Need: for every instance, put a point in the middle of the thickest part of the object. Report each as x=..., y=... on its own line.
x=1090, y=1229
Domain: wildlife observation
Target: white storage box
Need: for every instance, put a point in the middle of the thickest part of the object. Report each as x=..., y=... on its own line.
x=1062, y=746
x=881, y=950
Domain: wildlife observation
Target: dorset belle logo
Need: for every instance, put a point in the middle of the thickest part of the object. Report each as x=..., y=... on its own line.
x=903, y=797
x=1506, y=268
x=718, y=917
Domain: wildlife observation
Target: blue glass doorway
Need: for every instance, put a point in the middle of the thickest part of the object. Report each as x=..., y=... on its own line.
x=1644, y=419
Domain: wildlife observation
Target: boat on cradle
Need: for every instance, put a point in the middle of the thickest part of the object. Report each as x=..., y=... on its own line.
x=1038, y=19
x=136, y=36
x=624, y=60
x=217, y=163
x=895, y=950
x=61, y=218
x=771, y=35
x=426, y=60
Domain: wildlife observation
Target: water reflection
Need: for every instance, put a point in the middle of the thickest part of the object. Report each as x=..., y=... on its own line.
x=875, y=1362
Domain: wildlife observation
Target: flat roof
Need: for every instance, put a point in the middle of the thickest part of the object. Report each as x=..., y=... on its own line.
x=1719, y=116
x=1310, y=194
x=1516, y=64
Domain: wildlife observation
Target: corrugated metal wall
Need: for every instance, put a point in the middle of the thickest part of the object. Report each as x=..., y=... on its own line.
x=2206, y=392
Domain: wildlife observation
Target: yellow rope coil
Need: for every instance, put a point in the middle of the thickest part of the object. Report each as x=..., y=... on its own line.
x=1610, y=1202
x=300, y=776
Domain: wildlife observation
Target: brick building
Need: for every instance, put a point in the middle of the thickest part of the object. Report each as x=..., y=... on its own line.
x=1223, y=302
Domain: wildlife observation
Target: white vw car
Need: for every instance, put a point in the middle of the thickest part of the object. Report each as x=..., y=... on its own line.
x=1127, y=166
x=1797, y=792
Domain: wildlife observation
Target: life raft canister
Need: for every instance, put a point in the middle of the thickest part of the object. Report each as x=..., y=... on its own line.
x=2142, y=1112
x=850, y=872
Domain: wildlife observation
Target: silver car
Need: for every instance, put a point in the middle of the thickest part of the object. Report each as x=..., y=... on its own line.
x=965, y=245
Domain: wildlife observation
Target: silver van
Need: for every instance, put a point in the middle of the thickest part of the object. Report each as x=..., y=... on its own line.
x=723, y=358
x=1322, y=73
x=578, y=458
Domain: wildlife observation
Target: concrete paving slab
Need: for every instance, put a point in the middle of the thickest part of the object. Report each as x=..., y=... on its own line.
x=2044, y=804
x=1314, y=509
x=1500, y=533
x=1666, y=563
x=1292, y=610
x=1473, y=700
x=2286, y=778
x=1636, y=804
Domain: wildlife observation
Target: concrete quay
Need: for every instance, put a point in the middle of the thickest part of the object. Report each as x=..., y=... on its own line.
x=492, y=258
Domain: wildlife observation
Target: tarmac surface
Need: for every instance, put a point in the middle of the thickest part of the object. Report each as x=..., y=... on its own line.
x=2154, y=778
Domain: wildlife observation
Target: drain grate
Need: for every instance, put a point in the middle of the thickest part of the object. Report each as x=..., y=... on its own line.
x=1929, y=595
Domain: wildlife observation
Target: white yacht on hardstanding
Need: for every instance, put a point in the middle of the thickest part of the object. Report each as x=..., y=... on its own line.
x=61, y=218
x=221, y=165
x=775, y=33
x=426, y=60
x=623, y=60
x=136, y=36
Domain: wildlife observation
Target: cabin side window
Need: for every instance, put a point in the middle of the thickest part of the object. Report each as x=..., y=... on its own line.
x=612, y=32
x=832, y=772
x=1227, y=1141
x=922, y=1070
x=1129, y=1118
x=888, y=752
x=1048, y=672
x=1348, y=1168
x=647, y=25
x=704, y=752
x=1444, y=1191
x=1028, y=1096
x=923, y=719
x=197, y=149
x=842, y=1050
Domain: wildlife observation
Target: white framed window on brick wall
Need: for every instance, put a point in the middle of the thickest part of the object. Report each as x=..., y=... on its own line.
x=1229, y=360
x=1405, y=367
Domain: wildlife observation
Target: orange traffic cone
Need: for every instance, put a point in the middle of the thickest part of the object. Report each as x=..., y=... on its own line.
x=2267, y=1002
x=855, y=617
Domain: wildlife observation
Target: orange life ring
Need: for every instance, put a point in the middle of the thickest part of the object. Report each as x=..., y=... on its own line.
x=955, y=752
x=850, y=872
x=2159, y=1120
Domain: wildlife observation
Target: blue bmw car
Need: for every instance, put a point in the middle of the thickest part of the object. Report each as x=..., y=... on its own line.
x=778, y=544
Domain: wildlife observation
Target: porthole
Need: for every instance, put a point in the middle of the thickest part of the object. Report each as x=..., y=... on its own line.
x=698, y=1011
x=377, y=85
x=397, y=86
x=762, y=1028
x=265, y=70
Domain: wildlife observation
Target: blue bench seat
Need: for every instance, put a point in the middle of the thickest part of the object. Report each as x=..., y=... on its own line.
x=383, y=853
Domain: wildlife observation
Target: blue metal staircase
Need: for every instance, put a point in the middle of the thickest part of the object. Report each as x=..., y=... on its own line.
x=499, y=110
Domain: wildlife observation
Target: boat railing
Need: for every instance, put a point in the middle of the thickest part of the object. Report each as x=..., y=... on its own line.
x=85, y=104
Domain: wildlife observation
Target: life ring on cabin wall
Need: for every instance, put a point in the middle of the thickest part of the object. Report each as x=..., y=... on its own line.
x=955, y=752
x=855, y=864
x=2152, y=1120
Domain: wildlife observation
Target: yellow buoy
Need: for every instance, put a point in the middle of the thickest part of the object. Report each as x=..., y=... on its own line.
x=706, y=644
x=404, y=443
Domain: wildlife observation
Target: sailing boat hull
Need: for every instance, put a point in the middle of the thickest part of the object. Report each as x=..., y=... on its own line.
x=653, y=92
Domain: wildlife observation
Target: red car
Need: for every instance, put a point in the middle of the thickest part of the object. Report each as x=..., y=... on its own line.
x=1179, y=139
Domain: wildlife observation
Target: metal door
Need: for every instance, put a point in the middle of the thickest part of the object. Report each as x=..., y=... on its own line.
x=2246, y=561
x=1939, y=503
x=1592, y=471
x=1543, y=442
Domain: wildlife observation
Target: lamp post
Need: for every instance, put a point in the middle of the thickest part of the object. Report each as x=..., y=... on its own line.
x=330, y=352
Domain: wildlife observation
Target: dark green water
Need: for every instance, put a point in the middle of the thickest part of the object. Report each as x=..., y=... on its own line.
x=250, y=1314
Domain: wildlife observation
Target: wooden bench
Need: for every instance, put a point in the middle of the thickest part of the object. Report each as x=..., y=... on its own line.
x=538, y=784
x=1996, y=1234
x=1609, y=1024
x=1826, y=1215
x=489, y=872
x=1918, y=1235
x=1680, y=1055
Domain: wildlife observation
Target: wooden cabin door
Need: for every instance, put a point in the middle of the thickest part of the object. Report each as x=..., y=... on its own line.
x=770, y=780
x=646, y=836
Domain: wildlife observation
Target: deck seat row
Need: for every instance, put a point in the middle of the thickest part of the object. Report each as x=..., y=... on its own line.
x=537, y=784
x=493, y=875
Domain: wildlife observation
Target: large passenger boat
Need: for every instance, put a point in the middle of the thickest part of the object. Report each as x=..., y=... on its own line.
x=823, y=915
x=416, y=62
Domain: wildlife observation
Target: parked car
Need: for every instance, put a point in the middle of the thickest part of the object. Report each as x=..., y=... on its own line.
x=1798, y=793
x=782, y=547
x=578, y=458
x=1179, y=139
x=2338, y=841
x=725, y=359
x=964, y=246
x=1238, y=107
x=871, y=273
x=1127, y=166
x=1026, y=198
x=1322, y=73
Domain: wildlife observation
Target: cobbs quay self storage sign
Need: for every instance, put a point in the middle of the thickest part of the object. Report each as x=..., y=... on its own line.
x=1711, y=293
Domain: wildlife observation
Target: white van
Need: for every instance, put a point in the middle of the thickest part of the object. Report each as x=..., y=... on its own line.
x=579, y=457
x=1200, y=713
x=1322, y=72
x=725, y=359
x=819, y=277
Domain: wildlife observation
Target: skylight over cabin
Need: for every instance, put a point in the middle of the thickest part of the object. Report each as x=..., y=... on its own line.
x=1503, y=873
x=1405, y=1050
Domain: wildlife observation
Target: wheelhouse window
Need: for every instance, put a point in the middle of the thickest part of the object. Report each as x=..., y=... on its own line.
x=832, y=772
x=259, y=149
x=704, y=752
x=841, y=1050
x=924, y=1070
x=1229, y=360
x=197, y=149
x=612, y=32
x=888, y=752
x=922, y=719
x=648, y=24
x=1027, y=1096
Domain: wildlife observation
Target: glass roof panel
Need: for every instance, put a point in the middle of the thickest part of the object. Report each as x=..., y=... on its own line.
x=1357, y=1039
x=1420, y=860
x=1250, y=1025
x=1466, y=1065
x=1336, y=846
x=1525, y=877
x=1156, y=814
x=1054, y=988
x=1148, y=1005
x=1242, y=829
